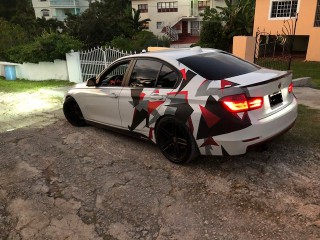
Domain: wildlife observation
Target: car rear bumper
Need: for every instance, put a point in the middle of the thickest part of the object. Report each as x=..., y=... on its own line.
x=261, y=131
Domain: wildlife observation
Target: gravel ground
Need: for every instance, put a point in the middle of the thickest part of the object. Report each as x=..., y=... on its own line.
x=62, y=182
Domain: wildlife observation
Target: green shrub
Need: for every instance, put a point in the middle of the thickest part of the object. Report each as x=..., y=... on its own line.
x=212, y=35
x=46, y=48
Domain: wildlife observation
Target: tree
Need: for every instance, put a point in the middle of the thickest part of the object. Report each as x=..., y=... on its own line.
x=132, y=23
x=141, y=40
x=50, y=25
x=11, y=35
x=8, y=9
x=100, y=23
x=23, y=12
x=212, y=34
x=19, y=12
x=233, y=20
x=134, y=20
x=27, y=39
x=238, y=17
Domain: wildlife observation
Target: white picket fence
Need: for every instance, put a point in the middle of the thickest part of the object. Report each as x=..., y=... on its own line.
x=95, y=60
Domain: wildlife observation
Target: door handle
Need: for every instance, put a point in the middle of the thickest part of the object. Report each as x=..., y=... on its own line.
x=156, y=97
x=112, y=95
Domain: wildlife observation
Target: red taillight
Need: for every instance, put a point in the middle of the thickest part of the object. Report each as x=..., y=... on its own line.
x=255, y=103
x=240, y=103
x=290, y=88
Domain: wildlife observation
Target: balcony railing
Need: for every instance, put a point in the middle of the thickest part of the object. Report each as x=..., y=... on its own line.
x=65, y=3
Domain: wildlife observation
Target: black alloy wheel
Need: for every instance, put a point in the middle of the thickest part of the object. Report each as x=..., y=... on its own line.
x=73, y=113
x=175, y=141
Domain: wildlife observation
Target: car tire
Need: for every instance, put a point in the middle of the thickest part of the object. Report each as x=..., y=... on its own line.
x=73, y=113
x=175, y=141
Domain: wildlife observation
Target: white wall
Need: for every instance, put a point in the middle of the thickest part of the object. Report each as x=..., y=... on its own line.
x=43, y=71
x=69, y=70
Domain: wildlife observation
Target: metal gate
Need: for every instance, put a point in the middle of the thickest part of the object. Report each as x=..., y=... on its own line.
x=95, y=60
x=275, y=51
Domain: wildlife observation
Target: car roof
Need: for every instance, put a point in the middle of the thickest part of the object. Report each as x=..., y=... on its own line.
x=175, y=53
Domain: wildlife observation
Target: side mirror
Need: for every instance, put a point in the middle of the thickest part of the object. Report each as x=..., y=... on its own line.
x=91, y=82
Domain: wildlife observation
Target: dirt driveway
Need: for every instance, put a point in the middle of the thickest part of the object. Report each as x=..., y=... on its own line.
x=62, y=182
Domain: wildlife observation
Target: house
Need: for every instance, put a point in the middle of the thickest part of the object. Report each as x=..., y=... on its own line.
x=179, y=20
x=270, y=16
x=58, y=8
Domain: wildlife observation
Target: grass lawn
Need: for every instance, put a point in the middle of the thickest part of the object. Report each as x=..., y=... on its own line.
x=298, y=67
x=307, y=69
x=26, y=85
x=306, y=129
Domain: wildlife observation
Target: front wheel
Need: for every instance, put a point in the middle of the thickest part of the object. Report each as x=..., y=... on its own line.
x=175, y=141
x=73, y=113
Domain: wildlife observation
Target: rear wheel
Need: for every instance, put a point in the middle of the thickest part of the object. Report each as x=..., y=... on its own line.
x=175, y=141
x=73, y=113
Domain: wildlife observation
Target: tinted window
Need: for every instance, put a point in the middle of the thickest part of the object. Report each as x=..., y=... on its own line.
x=144, y=73
x=167, y=77
x=217, y=66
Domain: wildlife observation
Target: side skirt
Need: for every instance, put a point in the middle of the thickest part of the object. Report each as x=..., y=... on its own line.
x=119, y=130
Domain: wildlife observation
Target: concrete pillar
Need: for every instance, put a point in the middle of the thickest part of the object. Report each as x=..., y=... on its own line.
x=243, y=47
x=1, y=70
x=313, y=53
x=74, y=67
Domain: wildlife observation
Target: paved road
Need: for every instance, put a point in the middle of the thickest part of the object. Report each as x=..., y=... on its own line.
x=308, y=96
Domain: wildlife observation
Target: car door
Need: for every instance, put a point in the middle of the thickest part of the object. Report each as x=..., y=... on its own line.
x=101, y=102
x=144, y=92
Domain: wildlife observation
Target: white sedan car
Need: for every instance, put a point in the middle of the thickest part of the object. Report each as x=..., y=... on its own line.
x=187, y=101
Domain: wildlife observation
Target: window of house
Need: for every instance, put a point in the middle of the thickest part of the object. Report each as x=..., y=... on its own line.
x=202, y=5
x=167, y=6
x=283, y=9
x=160, y=25
x=317, y=17
x=143, y=8
x=45, y=13
x=43, y=0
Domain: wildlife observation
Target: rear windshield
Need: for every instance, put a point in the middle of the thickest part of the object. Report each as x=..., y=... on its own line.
x=217, y=65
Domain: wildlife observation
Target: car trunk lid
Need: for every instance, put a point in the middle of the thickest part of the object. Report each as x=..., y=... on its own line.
x=271, y=85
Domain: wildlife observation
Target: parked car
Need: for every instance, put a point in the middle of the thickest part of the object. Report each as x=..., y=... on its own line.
x=187, y=101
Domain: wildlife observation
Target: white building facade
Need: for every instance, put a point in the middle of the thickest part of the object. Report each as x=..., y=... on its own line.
x=58, y=8
x=175, y=18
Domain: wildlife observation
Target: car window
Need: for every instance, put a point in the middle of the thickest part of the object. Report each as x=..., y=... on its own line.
x=145, y=73
x=114, y=75
x=217, y=65
x=167, y=77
